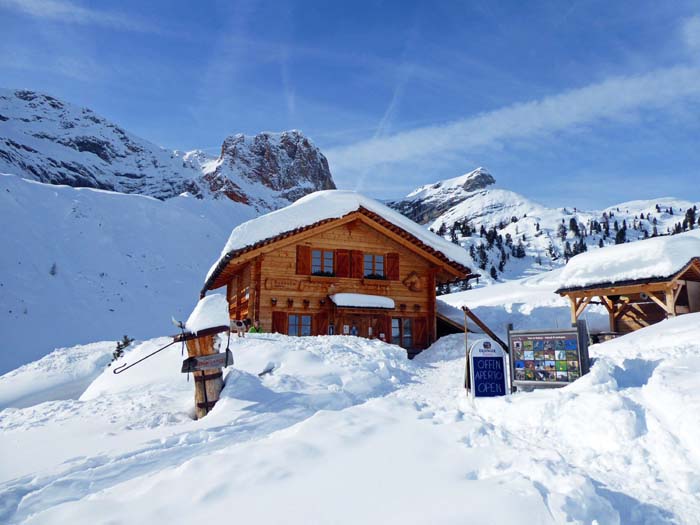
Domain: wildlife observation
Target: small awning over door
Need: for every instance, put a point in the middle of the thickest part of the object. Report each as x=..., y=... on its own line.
x=359, y=300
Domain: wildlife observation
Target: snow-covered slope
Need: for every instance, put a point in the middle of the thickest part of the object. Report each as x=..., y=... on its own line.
x=48, y=140
x=342, y=415
x=519, y=237
x=81, y=265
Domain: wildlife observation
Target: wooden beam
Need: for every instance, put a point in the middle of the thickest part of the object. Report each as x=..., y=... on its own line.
x=485, y=328
x=662, y=304
x=582, y=305
x=677, y=290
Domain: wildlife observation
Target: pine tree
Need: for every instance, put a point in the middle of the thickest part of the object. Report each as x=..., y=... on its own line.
x=568, y=254
x=562, y=231
x=621, y=236
x=573, y=226
x=494, y=274
x=121, y=346
x=483, y=256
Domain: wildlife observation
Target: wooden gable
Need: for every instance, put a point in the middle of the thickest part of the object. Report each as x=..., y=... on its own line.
x=446, y=269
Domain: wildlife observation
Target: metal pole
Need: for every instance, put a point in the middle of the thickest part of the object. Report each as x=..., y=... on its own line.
x=466, y=353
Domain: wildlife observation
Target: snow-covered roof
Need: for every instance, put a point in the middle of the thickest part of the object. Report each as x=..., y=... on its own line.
x=324, y=205
x=360, y=300
x=657, y=257
x=211, y=311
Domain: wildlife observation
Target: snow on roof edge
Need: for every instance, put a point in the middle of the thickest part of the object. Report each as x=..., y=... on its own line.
x=650, y=259
x=324, y=205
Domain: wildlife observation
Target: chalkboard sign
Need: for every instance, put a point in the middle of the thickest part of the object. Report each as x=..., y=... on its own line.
x=488, y=370
x=548, y=358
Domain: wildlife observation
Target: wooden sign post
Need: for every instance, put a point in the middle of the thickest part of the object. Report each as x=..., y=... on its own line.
x=206, y=366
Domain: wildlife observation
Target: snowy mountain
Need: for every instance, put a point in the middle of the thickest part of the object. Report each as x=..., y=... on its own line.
x=517, y=237
x=48, y=140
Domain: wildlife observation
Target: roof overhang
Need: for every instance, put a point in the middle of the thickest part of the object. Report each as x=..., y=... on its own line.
x=450, y=268
x=692, y=267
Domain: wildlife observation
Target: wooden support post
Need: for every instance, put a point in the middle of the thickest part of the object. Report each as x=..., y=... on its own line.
x=207, y=383
x=670, y=302
x=574, y=306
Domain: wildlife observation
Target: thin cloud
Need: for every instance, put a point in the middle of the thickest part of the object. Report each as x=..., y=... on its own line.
x=71, y=13
x=611, y=99
x=691, y=33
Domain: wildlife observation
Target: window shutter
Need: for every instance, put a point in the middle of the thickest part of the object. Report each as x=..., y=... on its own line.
x=356, y=264
x=420, y=332
x=279, y=322
x=392, y=266
x=303, y=260
x=321, y=322
x=342, y=263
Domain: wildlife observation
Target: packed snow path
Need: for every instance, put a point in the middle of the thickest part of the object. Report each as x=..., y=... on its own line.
x=347, y=431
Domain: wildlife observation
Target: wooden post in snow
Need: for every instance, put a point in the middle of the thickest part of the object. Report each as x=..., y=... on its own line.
x=206, y=365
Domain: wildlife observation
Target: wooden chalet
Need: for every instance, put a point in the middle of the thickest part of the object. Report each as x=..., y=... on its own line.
x=336, y=262
x=670, y=287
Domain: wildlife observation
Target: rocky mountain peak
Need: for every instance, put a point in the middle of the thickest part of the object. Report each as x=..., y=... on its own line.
x=287, y=165
x=427, y=202
x=45, y=139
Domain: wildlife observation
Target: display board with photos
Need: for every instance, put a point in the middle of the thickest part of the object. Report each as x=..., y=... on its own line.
x=548, y=358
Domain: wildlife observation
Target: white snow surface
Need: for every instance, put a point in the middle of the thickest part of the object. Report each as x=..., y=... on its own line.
x=211, y=311
x=655, y=257
x=330, y=204
x=360, y=300
x=80, y=265
x=528, y=303
x=63, y=374
x=343, y=415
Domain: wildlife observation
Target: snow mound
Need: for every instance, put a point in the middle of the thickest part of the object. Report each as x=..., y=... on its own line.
x=655, y=257
x=618, y=446
x=211, y=311
x=330, y=204
x=63, y=374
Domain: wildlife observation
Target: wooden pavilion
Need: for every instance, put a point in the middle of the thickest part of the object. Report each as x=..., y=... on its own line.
x=635, y=303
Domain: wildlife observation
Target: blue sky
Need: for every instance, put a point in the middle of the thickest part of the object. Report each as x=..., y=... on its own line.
x=583, y=103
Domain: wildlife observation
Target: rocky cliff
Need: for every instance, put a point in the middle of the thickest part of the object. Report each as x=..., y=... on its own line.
x=48, y=140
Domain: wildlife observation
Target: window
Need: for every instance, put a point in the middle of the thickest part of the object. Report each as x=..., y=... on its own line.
x=402, y=332
x=299, y=325
x=322, y=262
x=374, y=266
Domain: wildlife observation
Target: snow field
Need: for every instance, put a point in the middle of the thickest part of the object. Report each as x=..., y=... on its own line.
x=84, y=265
x=346, y=430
